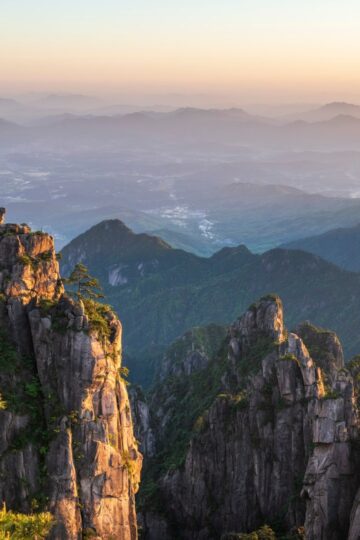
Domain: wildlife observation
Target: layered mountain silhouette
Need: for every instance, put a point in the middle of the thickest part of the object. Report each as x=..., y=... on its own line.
x=340, y=246
x=329, y=111
x=335, y=126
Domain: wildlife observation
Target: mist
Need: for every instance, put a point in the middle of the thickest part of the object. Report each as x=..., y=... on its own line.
x=200, y=177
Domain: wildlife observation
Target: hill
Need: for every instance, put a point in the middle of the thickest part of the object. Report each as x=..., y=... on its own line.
x=340, y=246
x=206, y=127
x=161, y=292
x=327, y=112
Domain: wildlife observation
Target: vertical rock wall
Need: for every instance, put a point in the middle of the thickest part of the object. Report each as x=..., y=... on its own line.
x=66, y=433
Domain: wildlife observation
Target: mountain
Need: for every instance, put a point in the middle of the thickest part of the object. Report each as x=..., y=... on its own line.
x=67, y=444
x=205, y=127
x=330, y=110
x=193, y=113
x=247, y=427
x=161, y=292
x=140, y=254
x=201, y=211
x=339, y=246
x=186, y=242
x=12, y=134
x=8, y=103
x=255, y=425
x=9, y=128
x=187, y=126
x=327, y=112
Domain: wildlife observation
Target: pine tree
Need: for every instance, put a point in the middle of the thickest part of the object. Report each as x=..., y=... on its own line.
x=82, y=284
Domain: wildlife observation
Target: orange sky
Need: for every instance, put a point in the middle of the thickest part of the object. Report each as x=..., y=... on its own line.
x=260, y=49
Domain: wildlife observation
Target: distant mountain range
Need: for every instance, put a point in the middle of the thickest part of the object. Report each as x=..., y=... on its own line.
x=340, y=246
x=335, y=126
x=160, y=292
x=328, y=112
x=67, y=102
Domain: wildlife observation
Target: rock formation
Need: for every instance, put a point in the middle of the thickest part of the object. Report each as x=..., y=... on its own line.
x=66, y=433
x=143, y=428
x=273, y=440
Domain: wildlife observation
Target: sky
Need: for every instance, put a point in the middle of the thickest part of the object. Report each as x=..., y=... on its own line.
x=252, y=50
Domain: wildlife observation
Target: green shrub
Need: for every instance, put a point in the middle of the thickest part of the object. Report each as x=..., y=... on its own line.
x=33, y=389
x=45, y=256
x=330, y=393
x=46, y=305
x=8, y=355
x=264, y=533
x=26, y=260
x=98, y=320
x=236, y=401
x=14, y=526
x=34, y=262
x=3, y=403
x=200, y=423
x=290, y=358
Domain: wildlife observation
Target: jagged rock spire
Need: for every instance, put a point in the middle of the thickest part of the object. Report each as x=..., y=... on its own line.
x=264, y=318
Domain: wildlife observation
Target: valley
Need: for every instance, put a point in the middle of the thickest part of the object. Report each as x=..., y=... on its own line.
x=239, y=179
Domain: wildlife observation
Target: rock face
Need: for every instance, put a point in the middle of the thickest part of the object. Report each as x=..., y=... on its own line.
x=191, y=352
x=66, y=433
x=275, y=444
x=143, y=427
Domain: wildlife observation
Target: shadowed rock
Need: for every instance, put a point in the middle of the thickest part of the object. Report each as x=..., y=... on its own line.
x=274, y=444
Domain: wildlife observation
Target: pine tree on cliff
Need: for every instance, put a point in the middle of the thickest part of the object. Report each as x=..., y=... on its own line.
x=86, y=286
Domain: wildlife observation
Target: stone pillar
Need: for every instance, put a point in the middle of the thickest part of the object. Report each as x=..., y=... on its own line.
x=2, y=215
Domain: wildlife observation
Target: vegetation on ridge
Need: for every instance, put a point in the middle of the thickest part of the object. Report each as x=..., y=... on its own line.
x=21, y=394
x=162, y=292
x=87, y=291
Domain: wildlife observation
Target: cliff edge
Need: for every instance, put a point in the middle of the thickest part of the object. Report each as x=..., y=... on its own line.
x=66, y=432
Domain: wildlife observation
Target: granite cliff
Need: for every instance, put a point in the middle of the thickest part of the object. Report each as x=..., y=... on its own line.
x=263, y=431
x=66, y=432
x=247, y=425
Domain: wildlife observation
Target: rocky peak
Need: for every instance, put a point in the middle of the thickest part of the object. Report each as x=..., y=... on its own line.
x=272, y=437
x=28, y=264
x=264, y=319
x=29, y=271
x=66, y=432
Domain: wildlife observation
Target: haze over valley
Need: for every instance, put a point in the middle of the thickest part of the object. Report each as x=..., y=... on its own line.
x=201, y=178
